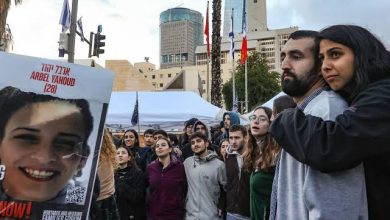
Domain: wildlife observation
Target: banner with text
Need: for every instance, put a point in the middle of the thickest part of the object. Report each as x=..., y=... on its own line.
x=52, y=116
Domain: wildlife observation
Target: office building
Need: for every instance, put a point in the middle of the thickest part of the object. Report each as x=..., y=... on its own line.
x=181, y=31
x=256, y=16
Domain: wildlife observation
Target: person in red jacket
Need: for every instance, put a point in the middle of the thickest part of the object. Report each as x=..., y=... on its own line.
x=167, y=184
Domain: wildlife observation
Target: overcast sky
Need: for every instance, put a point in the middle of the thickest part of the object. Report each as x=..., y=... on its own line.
x=132, y=27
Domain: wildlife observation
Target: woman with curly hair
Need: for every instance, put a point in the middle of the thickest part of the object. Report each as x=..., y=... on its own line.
x=105, y=207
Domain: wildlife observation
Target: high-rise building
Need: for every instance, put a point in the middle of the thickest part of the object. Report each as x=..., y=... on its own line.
x=237, y=6
x=256, y=16
x=181, y=31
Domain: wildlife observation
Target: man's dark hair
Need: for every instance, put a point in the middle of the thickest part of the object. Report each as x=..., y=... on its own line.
x=372, y=59
x=149, y=131
x=160, y=131
x=173, y=139
x=283, y=102
x=241, y=128
x=315, y=49
x=198, y=135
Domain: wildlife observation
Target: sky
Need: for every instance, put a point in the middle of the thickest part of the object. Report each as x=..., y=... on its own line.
x=132, y=27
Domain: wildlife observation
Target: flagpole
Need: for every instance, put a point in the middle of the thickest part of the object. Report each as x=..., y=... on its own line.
x=72, y=33
x=234, y=82
x=244, y=53
x=208, y=54
x=208, y=80
x=136, y=93
x=233, y=71
x=246, y=86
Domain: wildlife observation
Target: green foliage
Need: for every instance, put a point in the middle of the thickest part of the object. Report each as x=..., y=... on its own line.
x=263, y=84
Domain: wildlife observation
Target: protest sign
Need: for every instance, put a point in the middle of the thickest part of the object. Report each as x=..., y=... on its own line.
x=51, y=121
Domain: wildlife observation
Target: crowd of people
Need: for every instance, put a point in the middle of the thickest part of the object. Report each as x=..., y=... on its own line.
x=321, y=153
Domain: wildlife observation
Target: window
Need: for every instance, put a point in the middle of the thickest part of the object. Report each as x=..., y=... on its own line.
x=254, y=1
x=169, y=75
x=153, y=76
x=161, y=75
x=203, y=82
x=161, y=85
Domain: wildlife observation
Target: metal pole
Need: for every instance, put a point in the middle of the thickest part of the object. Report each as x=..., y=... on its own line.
x=72, y=34
x=233, y=75
x=208, y=80
x=90, y=45
x=138, y=113
x=234, y=82
x=246, y=86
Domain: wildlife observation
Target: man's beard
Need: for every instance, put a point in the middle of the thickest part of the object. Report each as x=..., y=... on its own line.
x=296, y=87
x=240, y=147
x=201, y=152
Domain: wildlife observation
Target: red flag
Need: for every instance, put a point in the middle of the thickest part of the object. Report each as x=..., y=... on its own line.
x=244, y=46
x=206, y=30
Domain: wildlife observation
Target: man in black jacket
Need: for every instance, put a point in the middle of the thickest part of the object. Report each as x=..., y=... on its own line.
x=237, y=189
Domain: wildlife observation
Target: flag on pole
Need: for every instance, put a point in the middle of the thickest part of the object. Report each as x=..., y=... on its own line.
x=244, y=47
x=231, y=36
x=135, y=116
x=80, y=26
x=65, y=16
x=206, y=30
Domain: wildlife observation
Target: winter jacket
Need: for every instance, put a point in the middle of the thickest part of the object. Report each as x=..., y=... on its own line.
x=260, y=193
x=130, y=190
x=238, y=188
x=147, y=156
x=360, y=134
x=303, y=192
x=206, y=183
x=167, y=191
x=135, y=150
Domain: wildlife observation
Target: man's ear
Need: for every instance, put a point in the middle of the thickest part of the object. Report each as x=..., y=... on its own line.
x=207, y=143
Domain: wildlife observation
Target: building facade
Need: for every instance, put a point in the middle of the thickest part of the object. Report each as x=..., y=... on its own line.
x=237, y=6
x=256, y=16
x=181, y=31
x=268, y=43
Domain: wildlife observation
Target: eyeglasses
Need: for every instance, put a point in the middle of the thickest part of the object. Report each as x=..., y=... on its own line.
x=260, y=119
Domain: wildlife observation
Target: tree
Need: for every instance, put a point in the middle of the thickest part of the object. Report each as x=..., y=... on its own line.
x=4, y=7
x=263, y=84
x=216, y=80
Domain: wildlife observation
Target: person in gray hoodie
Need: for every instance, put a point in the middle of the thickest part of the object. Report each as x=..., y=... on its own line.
x=198, y=127
x=206, y=177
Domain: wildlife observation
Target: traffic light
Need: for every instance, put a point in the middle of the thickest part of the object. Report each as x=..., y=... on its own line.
x=98, y=44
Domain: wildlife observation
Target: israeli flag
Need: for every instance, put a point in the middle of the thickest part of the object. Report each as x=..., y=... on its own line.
x=65, y=16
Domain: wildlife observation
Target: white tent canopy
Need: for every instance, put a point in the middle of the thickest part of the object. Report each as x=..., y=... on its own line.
x=159, y=110
x=270, y=103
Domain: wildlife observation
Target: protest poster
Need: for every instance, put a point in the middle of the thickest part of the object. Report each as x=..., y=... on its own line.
x=51, y=121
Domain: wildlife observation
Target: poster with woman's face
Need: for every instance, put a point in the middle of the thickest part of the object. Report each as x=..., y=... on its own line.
x=51, y=121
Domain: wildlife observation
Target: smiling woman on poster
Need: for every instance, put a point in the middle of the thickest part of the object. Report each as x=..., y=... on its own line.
x=43, y=145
